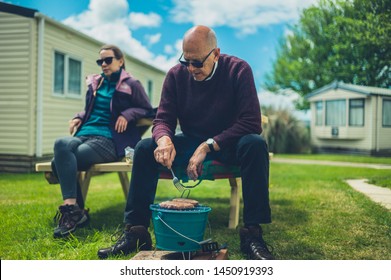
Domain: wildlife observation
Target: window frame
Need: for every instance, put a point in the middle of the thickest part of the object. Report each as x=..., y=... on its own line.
x=382, y=115
x=66, y=93
x=363, y=113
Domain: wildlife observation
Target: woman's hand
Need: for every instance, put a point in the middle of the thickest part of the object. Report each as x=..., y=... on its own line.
x=165, y=152
x=74, y=125
x=121, y=124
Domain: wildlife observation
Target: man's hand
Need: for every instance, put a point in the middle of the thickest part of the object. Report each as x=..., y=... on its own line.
x=121, y=124
x=165, y=152
x=194, y=168
x=74, y=125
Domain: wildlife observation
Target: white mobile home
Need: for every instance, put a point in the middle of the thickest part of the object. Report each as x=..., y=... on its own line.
x=42, y=83
x=351, y=118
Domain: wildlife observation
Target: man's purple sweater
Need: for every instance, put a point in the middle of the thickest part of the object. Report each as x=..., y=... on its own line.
x=224, y=108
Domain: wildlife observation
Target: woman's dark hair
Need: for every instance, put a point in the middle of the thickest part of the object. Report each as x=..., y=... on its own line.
x=117, y=52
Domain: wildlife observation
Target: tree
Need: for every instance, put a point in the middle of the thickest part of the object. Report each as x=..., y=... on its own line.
x=349, y=41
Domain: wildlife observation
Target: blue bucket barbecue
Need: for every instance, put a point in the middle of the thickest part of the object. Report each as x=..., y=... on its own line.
x=179, y=230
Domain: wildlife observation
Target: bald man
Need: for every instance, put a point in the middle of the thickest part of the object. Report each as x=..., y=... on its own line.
x=213, y=96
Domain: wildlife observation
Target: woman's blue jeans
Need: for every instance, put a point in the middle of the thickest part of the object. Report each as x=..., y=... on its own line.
x=70, y=156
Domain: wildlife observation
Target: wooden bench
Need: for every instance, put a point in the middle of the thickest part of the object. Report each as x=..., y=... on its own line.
x=123, y=169
x=84, y=177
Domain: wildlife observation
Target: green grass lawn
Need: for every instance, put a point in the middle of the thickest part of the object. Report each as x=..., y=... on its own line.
x=382, y=181
x=316, y=215
x=339, y=157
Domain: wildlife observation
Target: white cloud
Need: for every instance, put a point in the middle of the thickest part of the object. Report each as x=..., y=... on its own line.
x=111, y=22
x=138, y=20
x=245, y=16
x=175, y=49
x=165, y=62
x=153, y=38
x=99, y=11
x=169, y=49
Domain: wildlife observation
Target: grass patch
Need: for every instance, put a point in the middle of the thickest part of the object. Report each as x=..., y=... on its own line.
x=338, y=157
x=383, y=181
x=315, y=216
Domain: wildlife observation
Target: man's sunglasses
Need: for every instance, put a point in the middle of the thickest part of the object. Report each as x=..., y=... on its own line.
x=196, y=64
x=108, y=60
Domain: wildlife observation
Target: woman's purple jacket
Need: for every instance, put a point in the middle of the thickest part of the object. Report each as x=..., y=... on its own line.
x=129, y=100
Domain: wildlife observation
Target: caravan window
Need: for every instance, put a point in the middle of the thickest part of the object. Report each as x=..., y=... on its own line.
x=386, y=112
x=150, y=89
x=67, y=75
x=319, y=113
x=336, y=112
x=59, y=73
x=356, y=112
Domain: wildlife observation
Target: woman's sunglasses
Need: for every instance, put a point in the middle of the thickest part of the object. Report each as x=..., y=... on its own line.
x=107, y=60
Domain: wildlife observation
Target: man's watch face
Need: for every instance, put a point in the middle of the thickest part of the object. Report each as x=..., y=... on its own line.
x=210, y=142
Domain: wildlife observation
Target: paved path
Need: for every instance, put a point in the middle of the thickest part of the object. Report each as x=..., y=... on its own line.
x=378, y=194
x=332, y=163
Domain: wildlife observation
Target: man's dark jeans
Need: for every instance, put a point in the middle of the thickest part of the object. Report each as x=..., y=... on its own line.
x=251, y=153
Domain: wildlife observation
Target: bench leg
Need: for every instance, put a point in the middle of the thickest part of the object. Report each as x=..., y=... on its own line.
x=84, y=181
x=124, y=178
x=235, y=184
x=49, y=176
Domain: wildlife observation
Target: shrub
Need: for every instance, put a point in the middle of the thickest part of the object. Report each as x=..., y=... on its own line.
x=284, y=133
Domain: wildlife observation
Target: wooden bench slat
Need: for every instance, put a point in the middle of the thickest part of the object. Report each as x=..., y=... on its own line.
x=112, y=167
x=99, y=167
x=43, y=166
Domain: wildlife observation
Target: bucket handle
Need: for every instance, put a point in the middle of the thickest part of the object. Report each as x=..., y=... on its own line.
x=180, y=234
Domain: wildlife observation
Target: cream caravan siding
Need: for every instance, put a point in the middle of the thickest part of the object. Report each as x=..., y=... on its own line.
x=384, y=134
x=372, y=114
x=336, y=94
x=17, y=84
x=145, y=73
x=58, y=110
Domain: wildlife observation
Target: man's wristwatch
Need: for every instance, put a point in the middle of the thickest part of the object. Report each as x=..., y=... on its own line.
x=210, y=143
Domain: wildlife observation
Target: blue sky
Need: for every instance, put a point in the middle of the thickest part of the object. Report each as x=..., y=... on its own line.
x=151, y=30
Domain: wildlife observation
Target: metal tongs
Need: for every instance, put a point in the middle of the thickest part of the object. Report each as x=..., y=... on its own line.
x=177, y=182
x=184, y=190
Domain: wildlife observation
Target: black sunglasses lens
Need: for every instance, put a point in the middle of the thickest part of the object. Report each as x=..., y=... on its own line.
x=197, y=64
x=107, y=60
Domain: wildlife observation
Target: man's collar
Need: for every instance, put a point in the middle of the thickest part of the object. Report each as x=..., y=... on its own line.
x=213, y=71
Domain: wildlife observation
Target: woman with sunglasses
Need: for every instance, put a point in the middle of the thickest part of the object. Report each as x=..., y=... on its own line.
x=100, y=133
